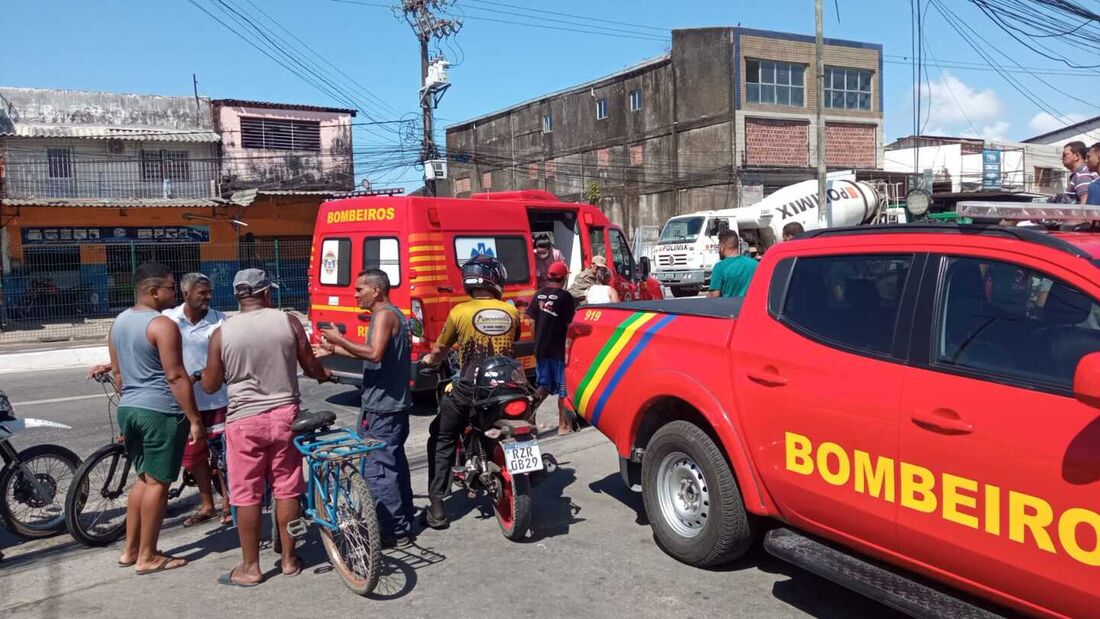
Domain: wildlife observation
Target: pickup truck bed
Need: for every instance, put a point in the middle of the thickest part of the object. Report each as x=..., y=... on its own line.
x=688, y=306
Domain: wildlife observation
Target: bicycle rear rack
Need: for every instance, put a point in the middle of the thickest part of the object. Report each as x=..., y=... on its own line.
x=336, y=445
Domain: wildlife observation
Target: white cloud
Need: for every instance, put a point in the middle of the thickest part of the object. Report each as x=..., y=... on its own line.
x=953, y=108
x=1045, y=122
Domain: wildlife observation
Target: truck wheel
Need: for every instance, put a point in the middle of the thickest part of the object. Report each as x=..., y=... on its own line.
x=692, y=498
x=683, y=291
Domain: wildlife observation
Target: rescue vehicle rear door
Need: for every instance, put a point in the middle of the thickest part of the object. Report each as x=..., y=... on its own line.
x=994, y=448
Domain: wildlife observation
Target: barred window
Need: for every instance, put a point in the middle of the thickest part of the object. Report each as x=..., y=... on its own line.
x=60, y=162
x=775, y=83
x=158, y=165
x=847, y=89
x=280, y=134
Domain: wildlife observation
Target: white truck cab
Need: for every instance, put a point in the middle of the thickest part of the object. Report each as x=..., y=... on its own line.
x=687, y=250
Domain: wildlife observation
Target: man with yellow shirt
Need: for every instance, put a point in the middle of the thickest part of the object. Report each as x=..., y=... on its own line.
x=483, y=327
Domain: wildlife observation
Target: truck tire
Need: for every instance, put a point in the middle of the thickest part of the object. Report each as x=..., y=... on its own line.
x=692, y=499
x=683, y=291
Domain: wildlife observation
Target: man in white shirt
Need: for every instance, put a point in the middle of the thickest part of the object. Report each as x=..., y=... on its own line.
x=197, y=322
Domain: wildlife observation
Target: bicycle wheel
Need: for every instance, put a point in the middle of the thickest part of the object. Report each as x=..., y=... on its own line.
x=356, y=550
x=34, y=507
x=95, y=507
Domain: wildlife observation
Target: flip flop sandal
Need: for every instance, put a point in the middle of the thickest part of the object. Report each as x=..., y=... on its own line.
x=279, y=564
x=163, y=567
x=226, y=519
x=227, y=579
x=130, y=564
x=198, y=518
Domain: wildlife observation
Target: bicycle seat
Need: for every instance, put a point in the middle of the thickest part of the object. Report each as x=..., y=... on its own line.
x=312, y=421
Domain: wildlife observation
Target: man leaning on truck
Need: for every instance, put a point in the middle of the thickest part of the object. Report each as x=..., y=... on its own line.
x=732, y=274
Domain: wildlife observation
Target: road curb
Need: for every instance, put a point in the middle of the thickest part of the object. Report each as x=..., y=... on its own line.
x=52, y=359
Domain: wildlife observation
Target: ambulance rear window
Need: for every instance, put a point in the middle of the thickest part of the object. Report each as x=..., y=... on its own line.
x=511, y=251
x=383, y=254
x=335, y=263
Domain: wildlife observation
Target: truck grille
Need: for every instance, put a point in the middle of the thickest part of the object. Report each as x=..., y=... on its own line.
x=669, y=260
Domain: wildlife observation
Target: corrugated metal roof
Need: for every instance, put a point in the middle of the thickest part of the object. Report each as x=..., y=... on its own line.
x=93, y=202
x=282, y=106
x=27, y=130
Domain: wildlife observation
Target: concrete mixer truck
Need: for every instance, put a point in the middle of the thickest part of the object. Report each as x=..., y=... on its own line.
x=687, y=248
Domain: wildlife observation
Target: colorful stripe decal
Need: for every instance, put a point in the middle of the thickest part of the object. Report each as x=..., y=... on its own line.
x=625, y=365
x=603, y=361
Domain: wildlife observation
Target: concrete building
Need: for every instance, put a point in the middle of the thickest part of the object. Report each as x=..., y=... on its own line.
x=725, y=118
x=94, y=183
x=956, y=164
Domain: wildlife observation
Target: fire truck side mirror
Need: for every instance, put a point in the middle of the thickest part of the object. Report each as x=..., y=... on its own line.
x=1086, y=380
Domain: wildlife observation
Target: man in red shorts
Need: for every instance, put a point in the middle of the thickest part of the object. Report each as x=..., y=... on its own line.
x=257, y=353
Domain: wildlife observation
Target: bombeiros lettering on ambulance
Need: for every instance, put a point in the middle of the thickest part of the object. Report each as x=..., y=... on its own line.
x=687, y=248
x=1027, y=519
x=352, y=215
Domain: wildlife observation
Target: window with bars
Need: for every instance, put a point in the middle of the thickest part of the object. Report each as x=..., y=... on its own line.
x=280, y=134
x=158, y=165
x=847, y=89
x=636, y=100
x=60, y=162
x=775, y=83
x=547, y=123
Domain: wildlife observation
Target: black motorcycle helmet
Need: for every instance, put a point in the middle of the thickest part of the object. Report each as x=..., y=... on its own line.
x=484, y=273
x=499, y=379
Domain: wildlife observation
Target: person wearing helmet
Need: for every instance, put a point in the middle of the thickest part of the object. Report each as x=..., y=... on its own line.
x=482, y=327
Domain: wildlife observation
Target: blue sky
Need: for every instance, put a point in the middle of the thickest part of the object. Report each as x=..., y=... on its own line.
x=153, y=46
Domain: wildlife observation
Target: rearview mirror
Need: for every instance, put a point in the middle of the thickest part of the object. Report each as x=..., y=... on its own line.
x=643, y=268
x=1086, y=380
x=712, y=227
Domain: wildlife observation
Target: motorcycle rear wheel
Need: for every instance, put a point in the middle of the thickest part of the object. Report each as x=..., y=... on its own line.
x=95, y=507
x=512, y=505
x=26, y=514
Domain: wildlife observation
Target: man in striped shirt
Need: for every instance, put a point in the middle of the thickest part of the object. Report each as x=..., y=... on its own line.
x=1074, y=158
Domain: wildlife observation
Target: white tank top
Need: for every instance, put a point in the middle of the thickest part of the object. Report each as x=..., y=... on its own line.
x=598, y=294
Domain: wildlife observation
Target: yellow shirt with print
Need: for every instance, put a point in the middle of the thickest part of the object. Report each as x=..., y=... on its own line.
x=482, y=328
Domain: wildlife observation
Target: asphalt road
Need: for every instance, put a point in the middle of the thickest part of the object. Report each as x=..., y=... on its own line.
x=591, y=552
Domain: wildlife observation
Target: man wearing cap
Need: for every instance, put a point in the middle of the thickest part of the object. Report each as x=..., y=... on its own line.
x=552, y=311
x=257, y=353
x=587, y=278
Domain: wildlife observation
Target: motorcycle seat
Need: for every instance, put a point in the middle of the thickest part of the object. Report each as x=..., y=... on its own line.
x=312, y=421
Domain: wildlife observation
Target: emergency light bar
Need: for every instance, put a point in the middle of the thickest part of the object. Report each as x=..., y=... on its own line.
x=1035, y=211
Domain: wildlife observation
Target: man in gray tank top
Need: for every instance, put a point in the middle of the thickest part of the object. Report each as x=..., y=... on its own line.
x=156, y=412
x=257, y=353
x=387, y=363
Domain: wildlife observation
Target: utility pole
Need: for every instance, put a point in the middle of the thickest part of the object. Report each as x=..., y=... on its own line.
x=825, y=210
x=427, y=26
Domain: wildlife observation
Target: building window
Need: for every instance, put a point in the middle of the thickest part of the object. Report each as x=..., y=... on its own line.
x=601, y=108
x=486, y=180
x=60, y=162
x=280, y=134
x=158, y=165
x=635, y=99
x=533, y=172
x=603, y=157
x=847, y=89
x=547, y=123
x=550, y=169
x=637, y=154
x=462, y=185
x=775, y=83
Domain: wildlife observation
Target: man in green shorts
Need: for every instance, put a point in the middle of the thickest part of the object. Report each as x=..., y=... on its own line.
x=732, y=274
x=156, y=412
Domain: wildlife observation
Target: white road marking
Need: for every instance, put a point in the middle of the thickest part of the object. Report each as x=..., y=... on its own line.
x=74, y=398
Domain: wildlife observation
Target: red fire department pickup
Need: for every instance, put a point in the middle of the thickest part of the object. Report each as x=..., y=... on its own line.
x=894, y=408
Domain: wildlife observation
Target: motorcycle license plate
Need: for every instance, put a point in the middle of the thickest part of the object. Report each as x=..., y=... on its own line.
x=522, y=457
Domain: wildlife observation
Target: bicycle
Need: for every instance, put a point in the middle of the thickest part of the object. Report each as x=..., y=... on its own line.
x=338, y=500
x=95, y=505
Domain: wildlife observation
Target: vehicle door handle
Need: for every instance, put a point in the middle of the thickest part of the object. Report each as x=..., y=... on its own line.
x=942, y=420
x=444, y=289
x=768, y=376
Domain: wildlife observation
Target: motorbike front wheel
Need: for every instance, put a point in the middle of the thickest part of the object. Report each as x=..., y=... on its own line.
x=34, y=507
x=512, y=501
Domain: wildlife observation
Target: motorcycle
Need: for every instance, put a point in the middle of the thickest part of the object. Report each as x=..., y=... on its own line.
x=43, y=300
x=33, y=482
x=498, y=453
